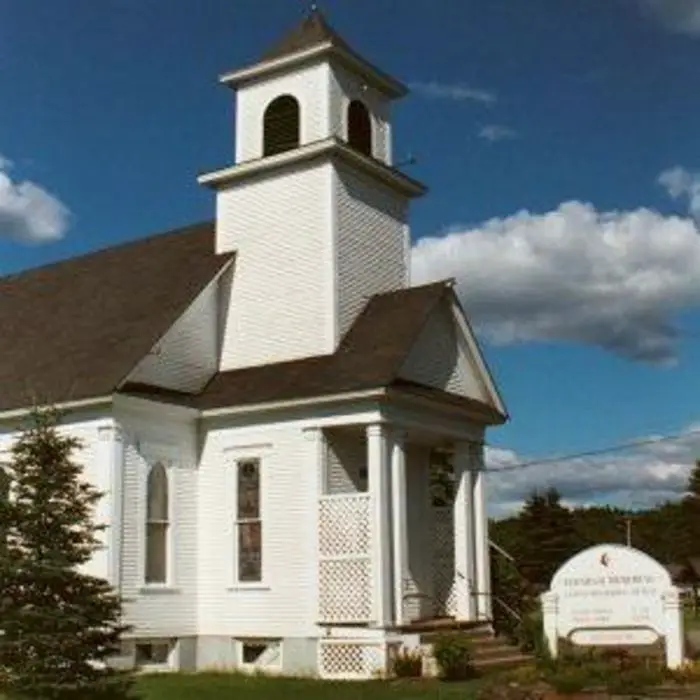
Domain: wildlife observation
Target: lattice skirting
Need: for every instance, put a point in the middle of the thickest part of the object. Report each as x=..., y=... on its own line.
x=353, y=660
x=344, y=590
x=344, y=551
x=443, y=562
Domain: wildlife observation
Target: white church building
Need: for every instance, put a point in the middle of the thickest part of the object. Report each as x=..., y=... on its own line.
x=259, y=396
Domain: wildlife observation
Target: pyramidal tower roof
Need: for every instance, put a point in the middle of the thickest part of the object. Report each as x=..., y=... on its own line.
x=314, y=36
x=312, y=31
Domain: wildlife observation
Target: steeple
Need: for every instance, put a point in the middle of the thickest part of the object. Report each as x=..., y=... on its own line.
x=314, y=37
x=311, y=32
x=313, y=207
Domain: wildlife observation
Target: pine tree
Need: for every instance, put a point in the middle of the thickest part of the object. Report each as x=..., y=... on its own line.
x=551, y=537
x=693, y=488
x=60, y=625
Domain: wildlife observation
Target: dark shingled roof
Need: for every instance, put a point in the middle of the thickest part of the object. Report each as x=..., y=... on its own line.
x=75, y=329
x=370, y=356
x=312, y=31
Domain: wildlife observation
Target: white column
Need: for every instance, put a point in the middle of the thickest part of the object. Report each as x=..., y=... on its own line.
x=675, y=635
x=464, y=544
x=378, y=456
x=400, y=523
x=316, y=456
x=112, y=506
x=481, y=535
x=550, y=622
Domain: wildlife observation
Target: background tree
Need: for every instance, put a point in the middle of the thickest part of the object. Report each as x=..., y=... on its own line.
x=60, y=625
x=551, y=537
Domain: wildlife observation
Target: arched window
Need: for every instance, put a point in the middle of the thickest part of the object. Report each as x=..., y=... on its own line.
x=359, y=127
x=157, y=521
x=281, y=126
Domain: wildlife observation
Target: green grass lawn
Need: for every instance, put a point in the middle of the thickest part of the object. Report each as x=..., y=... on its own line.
x=217, y=686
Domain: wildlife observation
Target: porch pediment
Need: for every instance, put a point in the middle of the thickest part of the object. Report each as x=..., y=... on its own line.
x=446, y=356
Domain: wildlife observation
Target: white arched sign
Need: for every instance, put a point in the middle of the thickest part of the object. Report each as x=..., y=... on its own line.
x=614, y=595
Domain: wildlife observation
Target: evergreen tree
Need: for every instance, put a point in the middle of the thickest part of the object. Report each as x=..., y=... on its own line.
x=693, y=488
x=60, y=625
x=551, y=537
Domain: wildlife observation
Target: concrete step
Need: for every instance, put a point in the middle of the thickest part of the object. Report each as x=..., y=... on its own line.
x=502, y=663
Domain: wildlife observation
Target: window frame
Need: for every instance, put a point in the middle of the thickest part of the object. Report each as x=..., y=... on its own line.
x=152, y=457
x=266, y=150
x=238, y=521
x=171, y=662
x=371, y=133
x=232, y=455
x=242, y=642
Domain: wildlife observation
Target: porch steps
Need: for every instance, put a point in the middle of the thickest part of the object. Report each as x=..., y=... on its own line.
x=491, y=653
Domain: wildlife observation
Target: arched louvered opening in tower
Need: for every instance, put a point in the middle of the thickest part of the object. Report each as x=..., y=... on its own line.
x=359, y=128
x=281, y=125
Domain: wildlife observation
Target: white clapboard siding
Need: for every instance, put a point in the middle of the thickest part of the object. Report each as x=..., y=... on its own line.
x=187, y=356
x=346, y=466
x=346, y=86
x=372, y=242
x=281, y=299
x=440, y=358
x=171, y=610
x=285, y=603
x=309, y=85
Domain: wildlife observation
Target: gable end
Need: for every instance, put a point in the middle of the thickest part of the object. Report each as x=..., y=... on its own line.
x=445, y=356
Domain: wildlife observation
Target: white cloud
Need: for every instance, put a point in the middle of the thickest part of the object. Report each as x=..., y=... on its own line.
x=681, y=16
x=455, y=92
x=28, y=212
x=639, y=477
x=497, y=132
x=679, y=183
x=612, y=279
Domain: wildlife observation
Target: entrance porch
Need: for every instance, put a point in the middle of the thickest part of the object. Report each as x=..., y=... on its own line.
x=390, y=553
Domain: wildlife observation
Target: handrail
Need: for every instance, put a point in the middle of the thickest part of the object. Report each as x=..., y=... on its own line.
x=502, y=551
x=511, y=611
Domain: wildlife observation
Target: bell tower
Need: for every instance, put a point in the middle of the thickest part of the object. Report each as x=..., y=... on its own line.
x=312, y=206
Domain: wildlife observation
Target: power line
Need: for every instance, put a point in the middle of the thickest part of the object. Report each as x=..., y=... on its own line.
x=593, y=453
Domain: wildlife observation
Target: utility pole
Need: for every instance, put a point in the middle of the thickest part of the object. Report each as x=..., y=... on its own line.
x=628, y=523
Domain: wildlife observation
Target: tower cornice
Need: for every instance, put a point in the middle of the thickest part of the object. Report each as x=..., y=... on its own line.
x=326, y=50
x=332, y=148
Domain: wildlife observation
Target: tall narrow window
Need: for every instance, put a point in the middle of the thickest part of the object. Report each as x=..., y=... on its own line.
x=359, y=128
x=248, y=521
x=157, y=521
x=281, y=126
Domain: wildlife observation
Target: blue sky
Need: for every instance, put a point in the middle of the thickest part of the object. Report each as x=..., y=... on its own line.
x=582, y=116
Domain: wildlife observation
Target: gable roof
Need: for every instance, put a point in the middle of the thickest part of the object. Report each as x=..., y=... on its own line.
x=74, y=329
x=369, y=356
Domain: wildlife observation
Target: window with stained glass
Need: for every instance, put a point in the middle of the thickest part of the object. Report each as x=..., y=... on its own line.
x=248, y=521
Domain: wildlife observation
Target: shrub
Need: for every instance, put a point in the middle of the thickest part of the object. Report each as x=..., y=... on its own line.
x=568, y=680
x=453, y=654
x=530, y=633
x=689, y=672
x=407, y=663
x=634, y=680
